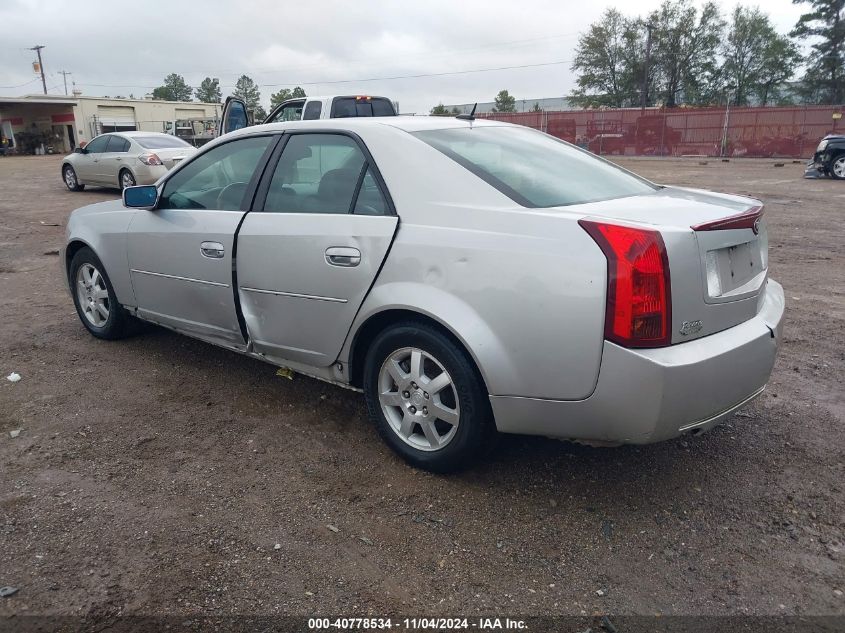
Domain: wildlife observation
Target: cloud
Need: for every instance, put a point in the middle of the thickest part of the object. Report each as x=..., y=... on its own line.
x=117, y=50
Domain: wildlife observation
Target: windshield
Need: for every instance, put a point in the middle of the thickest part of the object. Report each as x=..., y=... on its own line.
x=160, y=142
x=534, y=169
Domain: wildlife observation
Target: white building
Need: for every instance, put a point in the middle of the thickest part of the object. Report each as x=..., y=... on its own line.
x=60, y=123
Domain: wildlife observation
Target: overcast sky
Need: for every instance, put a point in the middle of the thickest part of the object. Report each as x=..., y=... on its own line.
x=115, y=48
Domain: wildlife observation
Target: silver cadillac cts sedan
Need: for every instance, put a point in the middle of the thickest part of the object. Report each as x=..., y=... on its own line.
x=468, y=276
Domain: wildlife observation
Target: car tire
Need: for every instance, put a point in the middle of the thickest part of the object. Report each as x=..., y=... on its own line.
x=408, y=417
x=125, y=179
x=837, y=167
x=70, y=178
x=91, y=287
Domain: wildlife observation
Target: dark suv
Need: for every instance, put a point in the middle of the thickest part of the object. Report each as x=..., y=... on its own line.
x=830, y=156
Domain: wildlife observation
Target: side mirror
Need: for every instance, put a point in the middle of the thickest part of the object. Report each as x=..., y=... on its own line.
x=141, y=197
x=80, y=150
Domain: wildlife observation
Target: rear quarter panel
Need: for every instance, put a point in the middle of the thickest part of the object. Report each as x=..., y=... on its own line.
x=528, y=304
x=523, y=289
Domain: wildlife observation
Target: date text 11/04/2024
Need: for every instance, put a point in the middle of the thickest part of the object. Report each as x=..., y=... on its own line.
x=412, y=624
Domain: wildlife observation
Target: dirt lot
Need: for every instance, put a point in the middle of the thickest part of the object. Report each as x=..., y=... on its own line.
x=163, y=475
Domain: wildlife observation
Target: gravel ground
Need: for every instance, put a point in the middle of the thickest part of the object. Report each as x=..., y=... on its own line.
x=161, y=475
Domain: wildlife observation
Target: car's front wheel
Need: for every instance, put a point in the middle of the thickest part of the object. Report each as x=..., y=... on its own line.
x=94, y=297
x=837, y=167
x=126, y=179
x=426, y=399
x=71, y=181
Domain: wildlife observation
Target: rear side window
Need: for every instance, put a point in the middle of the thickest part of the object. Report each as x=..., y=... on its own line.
x=117, y=144
x=347, y=107
x=312, y=110
x=534, y=169
x=316, y=173
x=370, y=198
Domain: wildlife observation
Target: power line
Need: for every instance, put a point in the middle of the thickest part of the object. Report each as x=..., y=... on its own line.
x=362, y=80
x=19, y=85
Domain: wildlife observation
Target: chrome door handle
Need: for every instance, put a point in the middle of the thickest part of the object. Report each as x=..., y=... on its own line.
x=212, y=250
x=343, y=256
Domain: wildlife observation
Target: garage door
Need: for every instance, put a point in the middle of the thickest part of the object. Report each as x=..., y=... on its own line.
x=116, y=118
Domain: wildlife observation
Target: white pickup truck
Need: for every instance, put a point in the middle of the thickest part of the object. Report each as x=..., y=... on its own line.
x=235, y=115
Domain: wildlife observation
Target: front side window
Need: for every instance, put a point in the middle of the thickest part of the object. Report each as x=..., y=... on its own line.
x=534, y=169
x=217, y=179
x=98, y=145
x=289, y=112
x=316, y=173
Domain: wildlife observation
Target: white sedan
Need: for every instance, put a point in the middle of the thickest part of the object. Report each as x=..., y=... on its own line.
x=123, y=160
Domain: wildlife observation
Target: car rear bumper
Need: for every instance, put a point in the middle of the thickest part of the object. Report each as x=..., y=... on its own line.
x=649, y=395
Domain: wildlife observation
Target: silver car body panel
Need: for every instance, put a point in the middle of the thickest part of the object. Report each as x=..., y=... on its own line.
x=298, y=306
x=650, y=395
x=174, y=283
x=522, y=289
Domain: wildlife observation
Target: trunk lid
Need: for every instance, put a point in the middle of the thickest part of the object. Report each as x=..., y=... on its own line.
x=717, y=247
x=173, y=156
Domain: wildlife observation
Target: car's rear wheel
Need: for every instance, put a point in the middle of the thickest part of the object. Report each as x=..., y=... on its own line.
x=837, y=167
x=71, y=181
x=94, y=297
x=126, y=179
x=426, y=399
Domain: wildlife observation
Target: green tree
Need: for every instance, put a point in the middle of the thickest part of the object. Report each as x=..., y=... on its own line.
x=284, y=94
x=685, y=44
x=439, y=110
x=209, y=91
x=504, y=102
x=174, y=89
x=536, y=107
x=824, y=80
x=608, y=60
x=247, y=90
x=780, y=59
x=756, y=57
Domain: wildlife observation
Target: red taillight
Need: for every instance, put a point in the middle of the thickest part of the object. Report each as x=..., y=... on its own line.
x=150, y=159
x=639, y=303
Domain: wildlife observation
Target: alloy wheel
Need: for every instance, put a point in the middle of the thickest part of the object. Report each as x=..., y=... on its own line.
x=92, y=294
x=70, y=178
x=839, y=167
x=419, y=399
x=126, y=180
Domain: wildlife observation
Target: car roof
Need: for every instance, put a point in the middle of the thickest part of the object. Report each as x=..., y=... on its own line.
x=353, y=124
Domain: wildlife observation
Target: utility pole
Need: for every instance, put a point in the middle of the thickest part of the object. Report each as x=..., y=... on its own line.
x=644, y=96
x=64, y=74
x=37, y=48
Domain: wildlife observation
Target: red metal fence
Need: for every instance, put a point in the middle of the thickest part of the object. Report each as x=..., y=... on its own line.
x=789, y=132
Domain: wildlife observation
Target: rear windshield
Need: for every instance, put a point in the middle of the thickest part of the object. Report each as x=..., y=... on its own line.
x=160, y=142
x=534, y=169
x=345, y=107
